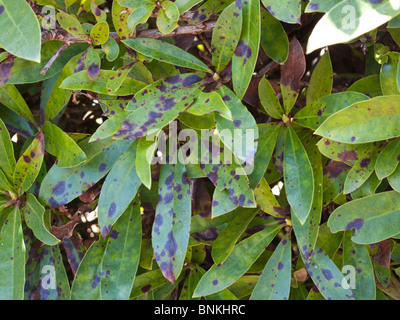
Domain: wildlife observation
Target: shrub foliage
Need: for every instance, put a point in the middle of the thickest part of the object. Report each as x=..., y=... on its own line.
x=199, y=149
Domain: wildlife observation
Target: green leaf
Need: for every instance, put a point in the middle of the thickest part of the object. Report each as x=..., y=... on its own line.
x=298, y=176
x=7, y=160
x=147, y=282
x=246, y=53
x=208, y=102
x=226, y=35
x=274, y=39
x=292, y=72
x=266, y=200
x=62, y=146
x=119, y=189
x=71, y=24
x=86, y=285
x=326, y=276
x=376, y=120
x=268, y=134
x=349, y=19
x=243, y=255
x=388, y=159
x=62, y=185
x=314, y=114
x=23, y=36
x=100, y=33
x=12, y=99
x=144, y=156
x=158, y=104
x=369, y=85
x=321, y=81
x=227, y=239
x=81, y=81
x=121, y=257
x=371, y=217
x=33, y=213
x=394, y=179
x=357, y=256
x=269, y=99
x=170, y=233
x=388, y=75
x=185, y=5
x=111, y=49
x=12, y=256
x=166, y=52
x=171, y=10
x=307, y=233
x=164, y=24
x=28, y=166
x=140, y=15
x=274, y=282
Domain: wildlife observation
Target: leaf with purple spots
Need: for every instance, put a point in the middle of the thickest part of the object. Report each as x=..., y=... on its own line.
x=166, y=52
x=74, y=251
x=243, y=255
x=170, y=233
x=62, y=185
x=243, y=127
x=274, y=282
x=121, y=257
x=33, y=213
x=298, y=176
x=246, y=53
x=326, y=276
x=221, y=203
x=368, y=187
x=388, y=160
x=6, y=69
x=52, y=258
x=62, y=146
x=227, y=239
x=86, y=285
x=209, y=102
x=12, y=256
x=286, y=11
x=23, y=36
x=226, y=173
x=371, y=217
x=315, y=113
x=207, y=9
x=99, y=14
x=116, y=81
x=81, y=81
x=29, y=164
x=321, y=5
x=92, y=63
x=110, y=126
x=226, y=35
x=158, y=104
x=367, y=16
x=119, y=189
x=71, y=24
x=120, y=16
x=100, y=33
x=147, y=282
x=358, y=256
x=361, y=171
x=7, y=159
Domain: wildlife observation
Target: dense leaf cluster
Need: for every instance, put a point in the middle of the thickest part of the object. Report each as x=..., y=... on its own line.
x=199, y=149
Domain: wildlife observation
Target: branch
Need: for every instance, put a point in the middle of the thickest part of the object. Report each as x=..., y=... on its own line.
x=62, y=35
